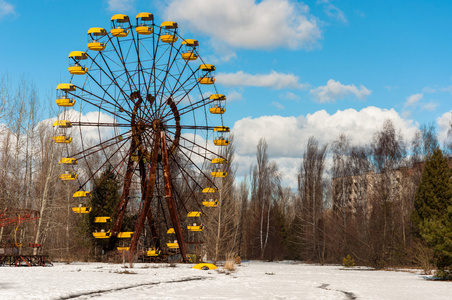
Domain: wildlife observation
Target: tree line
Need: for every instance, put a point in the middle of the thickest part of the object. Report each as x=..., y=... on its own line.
x=357, y=200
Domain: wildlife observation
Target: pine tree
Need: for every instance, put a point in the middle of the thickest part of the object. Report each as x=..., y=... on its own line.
x=432, y=213
x=105, y=196
x=104, y=202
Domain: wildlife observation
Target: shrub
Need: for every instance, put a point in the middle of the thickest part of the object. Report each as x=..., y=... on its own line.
x=348, y=261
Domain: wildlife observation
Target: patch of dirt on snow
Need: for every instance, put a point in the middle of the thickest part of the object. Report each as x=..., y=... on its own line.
x=100, y=292
x=349, y=295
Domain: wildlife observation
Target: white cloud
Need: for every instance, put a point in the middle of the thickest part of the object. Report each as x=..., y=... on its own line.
x=289, y=96
x=413, y=99
x=222, y=54
x=430, y=106
x=447, y=89
x=278, y=105
x=91, y=135
x=234, y=96
x=334, y=90
x=429, y=90
x=389, y=88
x=197, y=147
x=249, y=24
x=120, y=6
x=444, y=123
x=287, y=136
x=332, y=11
x=6, y=8
x=273, y=80
x=360, y=13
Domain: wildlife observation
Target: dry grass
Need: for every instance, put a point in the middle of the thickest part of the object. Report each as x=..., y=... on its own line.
x=125, y=272
x=230, y=263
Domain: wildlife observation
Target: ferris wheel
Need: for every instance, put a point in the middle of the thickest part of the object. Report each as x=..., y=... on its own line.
x=142, y=103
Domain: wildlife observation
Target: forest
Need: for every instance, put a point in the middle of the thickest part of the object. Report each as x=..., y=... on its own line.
x=361, y=201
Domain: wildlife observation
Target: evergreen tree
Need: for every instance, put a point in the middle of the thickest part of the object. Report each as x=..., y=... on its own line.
x=432, y=213
x=104, y=202
x=105, y=196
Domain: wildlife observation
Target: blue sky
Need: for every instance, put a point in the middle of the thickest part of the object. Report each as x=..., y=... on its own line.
x=290, y=69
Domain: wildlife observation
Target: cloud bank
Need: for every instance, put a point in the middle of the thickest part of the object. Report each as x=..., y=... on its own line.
x=334, y=90
x=249, y=24
x=287, y=136
x=272, y=80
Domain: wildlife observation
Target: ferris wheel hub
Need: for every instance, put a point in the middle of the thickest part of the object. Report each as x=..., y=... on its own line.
x=157, y=125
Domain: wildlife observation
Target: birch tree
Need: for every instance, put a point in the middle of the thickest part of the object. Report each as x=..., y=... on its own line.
x=265, y=190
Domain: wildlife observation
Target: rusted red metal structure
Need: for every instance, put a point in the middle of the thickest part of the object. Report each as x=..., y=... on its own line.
x=25, y=260
x=9, y=254
x=14, y=216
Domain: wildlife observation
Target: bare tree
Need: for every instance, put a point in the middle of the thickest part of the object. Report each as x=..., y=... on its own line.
x=388, y=152
x=311, y=189
x=265, y=191
x=239, y=235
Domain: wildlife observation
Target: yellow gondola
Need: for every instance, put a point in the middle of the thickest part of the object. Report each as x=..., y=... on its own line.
x=67, y=161
x=68, y=176
x=194, y=214
x=206, y=74
x=81, y=194
x=221, y=142
x=74, y=63
x=195, y=227
x=174, y=245
x=219, y=174
x=153, y=252
x=81, y=210
x=119, y=24
x=62, y=139
x=210, y=194
x=170, y=231
x=62, y=124
x=65, y=102
x=218, y=160
x=62, y=96
x=209, y=190
x=210, y=203
x=145, y=23
x=221, y=129
x=125, y=234
x=219, y=139
x=217, y=110
x=66, y=87
x=96, y=37
x=102, y=219
x=189, y=49
x=169, y=32
x=102, y=234
x=122, y=248
x=205, y=266
x=217, y=107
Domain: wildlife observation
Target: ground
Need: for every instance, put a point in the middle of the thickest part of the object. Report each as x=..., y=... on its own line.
x=251, y=280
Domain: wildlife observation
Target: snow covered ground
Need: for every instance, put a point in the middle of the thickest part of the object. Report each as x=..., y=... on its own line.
x=251, y=280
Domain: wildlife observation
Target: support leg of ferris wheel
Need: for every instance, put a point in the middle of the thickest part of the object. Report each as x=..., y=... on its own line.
x=122, y=204
x=147, y=200
x=170, y=198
